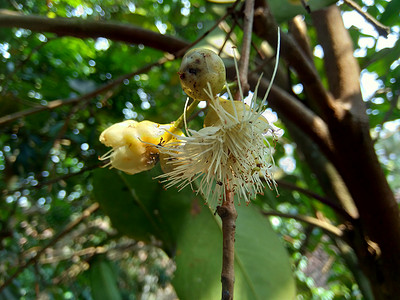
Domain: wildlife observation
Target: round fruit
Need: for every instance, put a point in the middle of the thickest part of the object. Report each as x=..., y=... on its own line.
x=201, y=66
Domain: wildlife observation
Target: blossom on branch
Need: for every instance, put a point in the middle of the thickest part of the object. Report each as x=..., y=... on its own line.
x=230, y=154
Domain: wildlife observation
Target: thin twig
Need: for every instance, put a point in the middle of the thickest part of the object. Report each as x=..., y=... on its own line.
x=379, y=27
x=316, y=196
x=228, y=12
x=57, y=103
x=85, y=214
x=227, y=36
x=54, y=180
x=306, y=6
x=246, y=43
x=309, y=220
x=228, y=215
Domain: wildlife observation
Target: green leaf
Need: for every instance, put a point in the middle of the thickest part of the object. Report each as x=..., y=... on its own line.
x=391, y=14
x=103, y=280
x=139, y=207
x=262, y=267
x=379, y=61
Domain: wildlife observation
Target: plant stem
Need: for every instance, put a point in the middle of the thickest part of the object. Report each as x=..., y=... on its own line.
x=228, y=215
x=227, y=210
x=179, y=123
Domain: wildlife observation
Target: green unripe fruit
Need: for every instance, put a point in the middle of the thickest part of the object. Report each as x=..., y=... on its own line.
x=199, y=67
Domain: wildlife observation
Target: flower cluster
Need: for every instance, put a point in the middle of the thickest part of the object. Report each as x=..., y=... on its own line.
x=230, y=154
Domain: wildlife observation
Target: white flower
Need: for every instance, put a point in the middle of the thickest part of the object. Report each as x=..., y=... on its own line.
x=230, y=154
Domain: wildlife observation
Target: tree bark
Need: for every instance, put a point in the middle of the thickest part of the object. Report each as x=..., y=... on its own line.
x=356, y=160
x=376, y=237
x=92, y=29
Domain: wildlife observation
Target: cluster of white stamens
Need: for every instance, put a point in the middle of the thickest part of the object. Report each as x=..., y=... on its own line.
x=231, y=154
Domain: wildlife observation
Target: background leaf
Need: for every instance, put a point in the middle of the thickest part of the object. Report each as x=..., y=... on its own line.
x=103, y=280
x=140, y=207
x=262, y=265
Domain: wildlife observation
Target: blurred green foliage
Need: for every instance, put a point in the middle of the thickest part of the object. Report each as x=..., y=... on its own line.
x=49, y=161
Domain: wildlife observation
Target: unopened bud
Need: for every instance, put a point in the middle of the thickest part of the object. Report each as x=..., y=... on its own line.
x=134, y=145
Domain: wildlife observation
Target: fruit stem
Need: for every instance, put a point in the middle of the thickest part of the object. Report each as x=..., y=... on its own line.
x=180, y=121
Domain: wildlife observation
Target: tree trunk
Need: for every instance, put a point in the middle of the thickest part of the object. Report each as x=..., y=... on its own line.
x=346, y=142
x=356, y=160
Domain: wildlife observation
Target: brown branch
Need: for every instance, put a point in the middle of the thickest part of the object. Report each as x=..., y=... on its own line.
x=229, y=11
x=92, y=29
x=266, y=28
x=316, y=196
x=54, y=180
x=298, y=29
x=309, y=220
x=342, y=69
x=227, y=210
x=299, y=114
x=228, y=215
x=85, y=214
x=357, y=161
x=77, y=27
x=246, y=43
x=379, y=27
x=57, y=103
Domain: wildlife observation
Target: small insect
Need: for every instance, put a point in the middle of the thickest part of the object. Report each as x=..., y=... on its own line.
x=219, y=183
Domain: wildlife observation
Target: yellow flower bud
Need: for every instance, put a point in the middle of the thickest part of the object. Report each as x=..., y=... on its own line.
x=230, y=110
x=199, y=67
x=134, y=145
